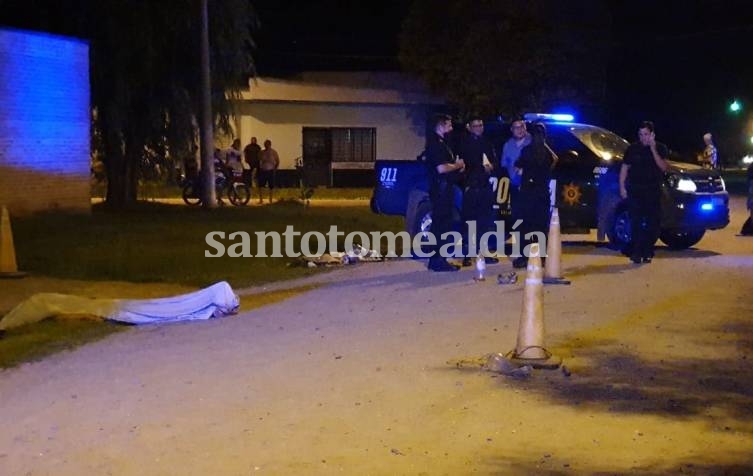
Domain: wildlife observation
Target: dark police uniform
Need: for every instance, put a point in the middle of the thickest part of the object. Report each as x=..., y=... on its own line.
x=438, y=152
x=747, y=229
x=533, y=202
x=643, y=186
x=478, y=195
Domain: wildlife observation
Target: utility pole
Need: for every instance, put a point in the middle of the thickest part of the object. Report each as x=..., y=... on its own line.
x=206, y=129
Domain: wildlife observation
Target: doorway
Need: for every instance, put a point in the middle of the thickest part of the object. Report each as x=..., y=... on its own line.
x=332, y=154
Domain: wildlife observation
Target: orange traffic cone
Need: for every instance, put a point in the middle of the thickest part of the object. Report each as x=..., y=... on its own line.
x=530, y=345
x=8, y=266
x=553, y=264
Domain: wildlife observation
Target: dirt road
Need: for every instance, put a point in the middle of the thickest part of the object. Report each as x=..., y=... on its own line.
x=315, y=202
x=352, y=378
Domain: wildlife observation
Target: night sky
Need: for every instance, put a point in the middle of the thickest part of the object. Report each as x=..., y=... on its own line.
x=328, y=35
x=678, y=63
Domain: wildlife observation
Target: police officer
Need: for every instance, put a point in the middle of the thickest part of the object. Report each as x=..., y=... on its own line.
x=533, y=204
x=641, y=177
x=251, y=154
x=444, y=172
x=747, y=229
x=478, y=197
x=511, y=153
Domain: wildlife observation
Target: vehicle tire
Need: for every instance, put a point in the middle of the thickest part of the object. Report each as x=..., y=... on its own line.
x=191, y=195
x=239, y=194
x=422, y=222
x=681, y=239
x=373, y=205
x=619, y=233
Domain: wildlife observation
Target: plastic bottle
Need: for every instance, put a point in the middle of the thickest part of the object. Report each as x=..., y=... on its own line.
x=480, y=269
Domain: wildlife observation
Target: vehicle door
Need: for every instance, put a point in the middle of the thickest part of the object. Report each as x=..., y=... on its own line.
x=576, y=175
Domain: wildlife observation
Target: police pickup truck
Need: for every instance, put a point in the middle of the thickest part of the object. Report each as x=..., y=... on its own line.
x=584, y=187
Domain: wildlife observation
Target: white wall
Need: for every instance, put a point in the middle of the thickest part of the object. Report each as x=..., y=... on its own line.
x=399, y=129
x=44, y=122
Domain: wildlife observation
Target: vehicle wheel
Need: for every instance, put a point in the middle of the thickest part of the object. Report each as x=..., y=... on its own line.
x=191, y=195
x=422, y=222
x=373, y=205
x=681, y=239
x=239, y=194
x=619, y=233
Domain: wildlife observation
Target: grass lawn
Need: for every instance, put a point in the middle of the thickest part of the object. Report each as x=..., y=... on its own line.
x=36, y=341
x=158, y=243
x=151, y=190
x=32, y=342
x=166, y=243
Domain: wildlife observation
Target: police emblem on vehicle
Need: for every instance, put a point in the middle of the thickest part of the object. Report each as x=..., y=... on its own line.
x=571, y=194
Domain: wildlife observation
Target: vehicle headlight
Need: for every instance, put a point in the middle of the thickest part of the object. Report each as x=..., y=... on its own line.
x=686, y=185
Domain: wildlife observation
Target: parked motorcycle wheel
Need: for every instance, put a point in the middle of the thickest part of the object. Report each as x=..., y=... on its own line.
x=191, y=195
x=239, y=194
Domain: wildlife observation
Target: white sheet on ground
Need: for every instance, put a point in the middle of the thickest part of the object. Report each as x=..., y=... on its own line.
x=215, y=301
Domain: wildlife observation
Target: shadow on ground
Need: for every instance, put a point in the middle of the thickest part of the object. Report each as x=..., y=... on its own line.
x=584, y=247
x=625, y=382
x=598, y=269
x=715, y=391
x=547, y=466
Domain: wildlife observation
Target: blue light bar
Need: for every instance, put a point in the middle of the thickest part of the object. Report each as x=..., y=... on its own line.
x=563, y=117
x=548, y=117
x=707, y=207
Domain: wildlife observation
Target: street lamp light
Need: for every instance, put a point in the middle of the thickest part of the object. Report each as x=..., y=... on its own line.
x=735, y=106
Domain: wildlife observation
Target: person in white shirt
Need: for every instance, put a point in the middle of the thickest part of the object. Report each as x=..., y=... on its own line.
x=710, y=155
x=269, y=161
x=233, y=157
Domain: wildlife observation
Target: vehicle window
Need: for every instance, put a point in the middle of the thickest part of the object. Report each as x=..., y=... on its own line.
x=561, y=141
x=570, y=151
x=605, y=144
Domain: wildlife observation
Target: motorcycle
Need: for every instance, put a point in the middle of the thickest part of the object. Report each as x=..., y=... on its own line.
x=226, y=182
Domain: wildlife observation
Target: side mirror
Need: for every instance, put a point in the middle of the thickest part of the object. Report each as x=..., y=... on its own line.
x=569, y=157
x=571, y=154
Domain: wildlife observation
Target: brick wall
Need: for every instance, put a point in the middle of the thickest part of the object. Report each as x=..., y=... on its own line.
x=44, y=122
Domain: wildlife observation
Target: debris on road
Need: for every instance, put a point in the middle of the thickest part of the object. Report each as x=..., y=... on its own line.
x=507, y=278
x=358, y=254
x=496, y=363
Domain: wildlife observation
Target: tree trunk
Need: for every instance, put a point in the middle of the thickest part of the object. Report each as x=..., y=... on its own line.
x=122, y=175
x=134, y=152
x=121, y=162
x=117, y=166
x=116, y=183
x=122, y=181
x=208, y=195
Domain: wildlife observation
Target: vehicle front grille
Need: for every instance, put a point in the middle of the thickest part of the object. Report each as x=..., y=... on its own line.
x=708, y=184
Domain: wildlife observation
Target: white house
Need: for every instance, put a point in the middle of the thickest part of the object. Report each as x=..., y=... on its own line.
x=338, y=124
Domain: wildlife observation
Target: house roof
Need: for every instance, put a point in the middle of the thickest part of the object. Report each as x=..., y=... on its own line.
x=343, y=88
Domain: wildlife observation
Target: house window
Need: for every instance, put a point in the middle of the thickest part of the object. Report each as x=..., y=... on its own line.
x=353, y=144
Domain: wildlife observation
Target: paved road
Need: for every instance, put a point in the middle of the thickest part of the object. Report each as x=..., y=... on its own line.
x=352, y=378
